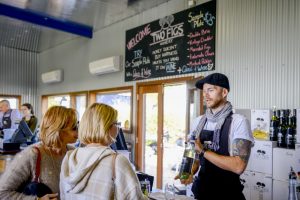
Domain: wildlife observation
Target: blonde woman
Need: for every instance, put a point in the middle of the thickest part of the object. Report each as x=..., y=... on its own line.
x=58, y=128
x=87, y=172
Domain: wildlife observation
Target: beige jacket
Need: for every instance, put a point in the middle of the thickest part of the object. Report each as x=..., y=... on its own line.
x=86, y=174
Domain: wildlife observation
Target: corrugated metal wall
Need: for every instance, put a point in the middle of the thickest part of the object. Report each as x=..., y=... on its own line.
x=258, y=47
x=18, y=74
x=19, y=34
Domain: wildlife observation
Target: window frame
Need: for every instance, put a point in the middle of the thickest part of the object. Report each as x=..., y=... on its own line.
x=72, y=99
x=93, y=97
x=18, y=97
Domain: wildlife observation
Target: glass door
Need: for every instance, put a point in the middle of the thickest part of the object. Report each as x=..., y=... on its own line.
x=149, y=144
x=162, y=113
x=174, y=134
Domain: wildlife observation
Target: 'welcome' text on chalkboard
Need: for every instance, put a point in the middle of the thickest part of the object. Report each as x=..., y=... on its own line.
x=177, y=44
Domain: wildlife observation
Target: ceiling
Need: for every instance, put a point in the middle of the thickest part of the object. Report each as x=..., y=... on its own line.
x=15, y=33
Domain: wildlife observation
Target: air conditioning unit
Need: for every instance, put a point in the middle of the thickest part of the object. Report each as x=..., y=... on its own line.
x=53, y=76
x=106, y=65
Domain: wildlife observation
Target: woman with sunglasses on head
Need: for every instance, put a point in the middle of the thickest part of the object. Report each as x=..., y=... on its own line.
x=58, y=128
x=96, y=171
x=28, y=116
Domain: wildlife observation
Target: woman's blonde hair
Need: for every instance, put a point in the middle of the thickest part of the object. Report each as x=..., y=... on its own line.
x=95, y=124
x=55, y=121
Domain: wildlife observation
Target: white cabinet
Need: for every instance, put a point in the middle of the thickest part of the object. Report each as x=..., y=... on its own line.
x=261, y=157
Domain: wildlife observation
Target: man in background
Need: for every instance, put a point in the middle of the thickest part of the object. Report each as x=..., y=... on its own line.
x=9, y=118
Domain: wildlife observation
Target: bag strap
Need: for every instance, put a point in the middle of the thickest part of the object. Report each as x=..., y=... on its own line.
x=37, y=165
x=114, y=166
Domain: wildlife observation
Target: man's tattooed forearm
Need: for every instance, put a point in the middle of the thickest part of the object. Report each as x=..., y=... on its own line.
x=242, y=148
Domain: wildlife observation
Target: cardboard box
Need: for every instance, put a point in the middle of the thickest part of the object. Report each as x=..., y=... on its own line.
x=261, y=157
x=244, y=112
x=280, y=190
x=260, y=123
x=283, y=160
x=261, y=186
x=257, y=185
x=245, y=179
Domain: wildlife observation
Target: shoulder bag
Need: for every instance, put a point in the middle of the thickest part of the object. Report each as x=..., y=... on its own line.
x=35, y=187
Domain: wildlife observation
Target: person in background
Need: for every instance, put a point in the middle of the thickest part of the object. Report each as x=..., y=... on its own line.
x=87, y=172
x=9, y=118
x=28, y=116
x=223, y=143
x=58, y=128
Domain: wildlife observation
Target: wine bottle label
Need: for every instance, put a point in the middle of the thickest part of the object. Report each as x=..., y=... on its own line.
x=279, y=137
x=271, y=131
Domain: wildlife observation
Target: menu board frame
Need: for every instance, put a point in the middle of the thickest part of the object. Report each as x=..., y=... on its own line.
x=177, y=44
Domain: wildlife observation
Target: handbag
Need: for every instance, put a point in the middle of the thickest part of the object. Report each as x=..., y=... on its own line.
x=35, y=187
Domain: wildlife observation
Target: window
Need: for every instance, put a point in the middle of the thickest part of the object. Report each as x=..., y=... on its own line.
x=62, y=100
x=121, y=100
x=118, y=98
x=80, y=104
x=77, y=101
x=13, y=100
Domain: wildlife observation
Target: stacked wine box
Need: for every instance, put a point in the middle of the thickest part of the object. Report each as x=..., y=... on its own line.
x=267, y=172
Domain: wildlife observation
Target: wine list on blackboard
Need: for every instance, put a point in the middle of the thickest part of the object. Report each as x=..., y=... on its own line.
x=177, y=44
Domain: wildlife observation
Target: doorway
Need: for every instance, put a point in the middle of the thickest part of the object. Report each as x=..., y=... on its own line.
x=162, y=126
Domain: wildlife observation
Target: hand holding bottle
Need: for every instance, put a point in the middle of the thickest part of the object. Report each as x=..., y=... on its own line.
x=198, y=146
x=189, y=165
x=186, y=181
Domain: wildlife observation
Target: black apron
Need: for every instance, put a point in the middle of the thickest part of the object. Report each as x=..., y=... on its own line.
x=214, y=183
x=6, y=120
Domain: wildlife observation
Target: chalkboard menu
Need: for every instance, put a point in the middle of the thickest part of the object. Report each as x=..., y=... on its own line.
x=177, y=44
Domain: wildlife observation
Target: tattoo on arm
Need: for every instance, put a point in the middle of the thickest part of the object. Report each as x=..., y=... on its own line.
x=242, y=148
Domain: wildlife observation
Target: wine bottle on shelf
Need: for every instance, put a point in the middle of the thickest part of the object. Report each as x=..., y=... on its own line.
x=294, y=121
x=278, y=114
x=274, y=126
x=290, y=135
x=281, y=130
x=294, y=117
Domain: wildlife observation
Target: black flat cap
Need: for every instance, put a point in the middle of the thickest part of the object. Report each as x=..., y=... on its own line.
x=217, y=79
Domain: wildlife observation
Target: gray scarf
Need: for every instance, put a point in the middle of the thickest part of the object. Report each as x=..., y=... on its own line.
x=218, y=117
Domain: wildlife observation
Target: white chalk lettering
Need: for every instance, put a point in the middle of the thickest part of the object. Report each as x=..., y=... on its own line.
x=168, y=33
